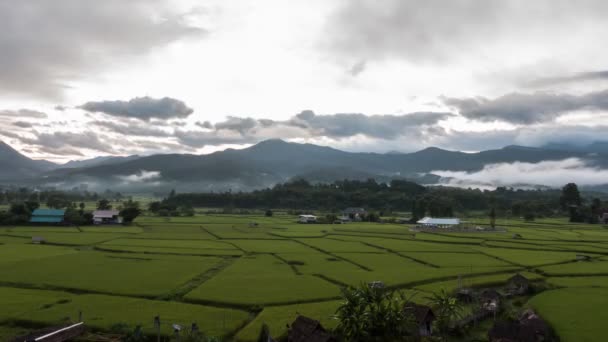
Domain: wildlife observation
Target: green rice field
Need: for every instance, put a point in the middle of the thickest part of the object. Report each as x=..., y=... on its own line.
x=231, y=276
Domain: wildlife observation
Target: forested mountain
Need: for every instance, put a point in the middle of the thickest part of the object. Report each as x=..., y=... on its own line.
x=14, y=165
x=273, y=161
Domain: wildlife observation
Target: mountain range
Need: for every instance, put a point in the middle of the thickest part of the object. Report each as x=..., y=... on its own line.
x=270, y=162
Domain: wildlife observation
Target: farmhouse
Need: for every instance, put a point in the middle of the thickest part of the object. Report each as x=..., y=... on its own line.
x=439, y=222
x=529, y=328
x=305, y=329
x=106, y=217
x=518, y=284
x=424, y=318
x=355, y=214
x=48, y=216
x=489, y=300
x=307, y=219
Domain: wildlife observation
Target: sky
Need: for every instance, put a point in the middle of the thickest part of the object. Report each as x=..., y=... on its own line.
x=85, y=78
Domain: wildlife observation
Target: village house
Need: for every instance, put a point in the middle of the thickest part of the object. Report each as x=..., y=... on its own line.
x=529, y=328
x=307, y=219
x=48, y=216
x=430, y=222
x=106, y=217
x=518, y=285
x=424, y=318
x=305, y=329
x=489, y=300
x=355, y=214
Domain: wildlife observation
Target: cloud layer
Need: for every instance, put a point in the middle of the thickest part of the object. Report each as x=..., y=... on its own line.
x=521, y=108
x=546, y=173
x=48, y=44
x=143, y=108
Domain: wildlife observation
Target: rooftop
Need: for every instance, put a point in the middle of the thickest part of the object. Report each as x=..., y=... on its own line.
x=439, y=221
x=48, y=212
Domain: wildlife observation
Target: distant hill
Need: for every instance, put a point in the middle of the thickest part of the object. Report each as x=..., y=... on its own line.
x=104, y=160
x=14, y=165
x=273, y=161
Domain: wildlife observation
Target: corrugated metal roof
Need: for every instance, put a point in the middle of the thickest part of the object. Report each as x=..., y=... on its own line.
x=439, y=221
x=46, y=219
x=48, y=212
x=105, y=213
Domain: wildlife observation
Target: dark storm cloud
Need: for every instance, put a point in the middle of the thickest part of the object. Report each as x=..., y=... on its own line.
x=521, y=108
x=143, y=108
x=438, y=30
x=579, y=77
x=307, y=124
x=47, y=44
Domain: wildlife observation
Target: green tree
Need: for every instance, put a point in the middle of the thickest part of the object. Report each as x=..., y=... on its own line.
x=570, y=196
x=104, y=204
x=129, y=211
x=268, y=213
x=493, y=218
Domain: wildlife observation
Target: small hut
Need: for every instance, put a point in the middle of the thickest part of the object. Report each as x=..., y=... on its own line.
x=583, y=257
x=518, y=284
x=38, y=240
x=529, y=328
x=424, y=318
x=305, y=329
x=464, y=295
x=490, y=300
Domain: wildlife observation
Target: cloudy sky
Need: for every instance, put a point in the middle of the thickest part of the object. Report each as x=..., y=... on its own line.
x=82, y=78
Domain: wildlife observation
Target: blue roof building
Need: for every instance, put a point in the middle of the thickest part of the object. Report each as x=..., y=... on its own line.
x=47, y=216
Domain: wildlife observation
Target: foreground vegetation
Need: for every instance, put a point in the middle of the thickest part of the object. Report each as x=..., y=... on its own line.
x=231, y=276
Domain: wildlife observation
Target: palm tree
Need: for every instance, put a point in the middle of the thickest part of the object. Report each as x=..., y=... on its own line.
x=374, y=314
x=446, y=309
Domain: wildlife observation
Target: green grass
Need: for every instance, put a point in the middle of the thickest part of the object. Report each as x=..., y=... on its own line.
x=76, y=239
x=528, y=257
x=482, y=281
x=577, y=314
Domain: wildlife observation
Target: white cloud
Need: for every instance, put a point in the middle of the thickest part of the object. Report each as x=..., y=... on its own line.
x=141, y=176
x=546, y=173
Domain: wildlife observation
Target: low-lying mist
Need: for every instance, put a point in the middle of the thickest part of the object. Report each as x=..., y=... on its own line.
x=527, y=175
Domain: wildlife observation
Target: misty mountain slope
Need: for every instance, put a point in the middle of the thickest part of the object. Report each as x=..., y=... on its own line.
x=14, y=165
x=104, y=160
x=273, y=161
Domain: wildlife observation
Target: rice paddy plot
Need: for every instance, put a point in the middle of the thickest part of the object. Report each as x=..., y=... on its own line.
x=103, y=311
x=42, y=229
x=262, y=279
x=112, y=273
x=457, y=259
x=578, y=268
x=171, y=251
x=338, y=246
x=113, y=229
x=271, y=246
x=325, y=265
x=523, y=245
x=278, y=317
x=595, y=281
x=528, y=257
x=11, y=253
x=75, y=239
x=409, y=245
x=196, y=244
x=480, y=281
x=577, y=314
x=445, y=238
x=12, y=239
